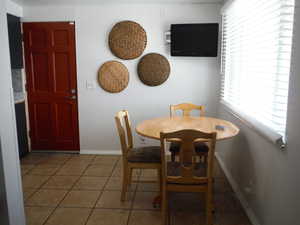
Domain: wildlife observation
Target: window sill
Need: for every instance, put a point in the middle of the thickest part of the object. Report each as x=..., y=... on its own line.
x=255, y=125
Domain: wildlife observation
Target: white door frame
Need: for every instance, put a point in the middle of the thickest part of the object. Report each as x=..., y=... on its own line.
x=8, y=134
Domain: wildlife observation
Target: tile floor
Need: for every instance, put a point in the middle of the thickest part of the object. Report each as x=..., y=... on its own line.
x=70, y=189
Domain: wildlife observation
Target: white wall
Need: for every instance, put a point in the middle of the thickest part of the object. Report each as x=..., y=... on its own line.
x=9, y=146
x=192, y=79
x=253, y=162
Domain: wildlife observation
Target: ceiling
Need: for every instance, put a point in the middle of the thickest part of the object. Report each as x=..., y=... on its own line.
x=82, y=2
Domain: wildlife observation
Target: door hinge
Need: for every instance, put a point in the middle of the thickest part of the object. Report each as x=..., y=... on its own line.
x=26, y=87
x=22, y=37
x=30, y=134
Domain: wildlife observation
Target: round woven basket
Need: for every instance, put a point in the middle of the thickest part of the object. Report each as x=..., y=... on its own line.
x=153, y=69
x=113, y=76
x=127, y=40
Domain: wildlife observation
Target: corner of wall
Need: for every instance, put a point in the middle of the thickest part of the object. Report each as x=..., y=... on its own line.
x=14, y=8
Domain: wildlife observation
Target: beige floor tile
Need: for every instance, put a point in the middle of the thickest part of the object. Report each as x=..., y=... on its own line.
x=81, y=159
x=98, y=170
x=69, y=216
x=37, y=215
x=115, y=184
x=74, y=163
x=45, y=197
x=148, y=187
x=111, y=200
x=186, y=208
x=33, y=181
x=187, y=218
x=231, y=219
x=142, y=217
x=220, y=203
x=90, y=183
x=221, y=185
x=152, y=179
x=57, y=159
x=217, y=171
x=144, y=200
x=108, y=217
x=33, y=158
x=71, y=170
x=149, y=173
x=120, y=162
x=27, y=192
x=80, y=199
x=60, y=182
x=118, y=172
x=187, y=202
x=232, y=204
x=25, y=168
x=44, y=169
x=106, y=160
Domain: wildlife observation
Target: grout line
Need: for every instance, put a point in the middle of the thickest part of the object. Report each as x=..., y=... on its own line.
x=68, y=191
x=39, y=187
x=101, y=192
x=134, y=196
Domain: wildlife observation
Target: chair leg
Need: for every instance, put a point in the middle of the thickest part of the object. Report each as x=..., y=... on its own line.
x=209, y=208
x=157, y=202
x=164, y=207
x=126, y=181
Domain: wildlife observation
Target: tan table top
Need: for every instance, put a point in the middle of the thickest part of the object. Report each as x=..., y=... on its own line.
x=152, y=128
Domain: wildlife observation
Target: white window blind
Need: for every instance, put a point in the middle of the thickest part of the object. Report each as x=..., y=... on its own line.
x=256, y=56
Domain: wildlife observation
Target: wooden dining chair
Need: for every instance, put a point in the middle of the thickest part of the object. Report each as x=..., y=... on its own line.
x=186, y=174
x=186, y=109
x=135, y=158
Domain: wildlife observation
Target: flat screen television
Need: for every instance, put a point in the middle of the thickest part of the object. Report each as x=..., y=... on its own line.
x=194, y=39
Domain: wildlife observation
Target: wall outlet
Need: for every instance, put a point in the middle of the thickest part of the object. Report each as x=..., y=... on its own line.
x=249, y=188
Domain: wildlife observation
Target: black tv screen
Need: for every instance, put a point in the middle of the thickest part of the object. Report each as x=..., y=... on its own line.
x=194, y=39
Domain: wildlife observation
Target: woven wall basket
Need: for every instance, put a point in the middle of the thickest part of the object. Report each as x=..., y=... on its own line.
x=153, y=69
x=127, y=40
x=113, y=76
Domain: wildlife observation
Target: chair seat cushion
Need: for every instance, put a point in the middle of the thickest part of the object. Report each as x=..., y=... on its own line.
x=173, y=169
x=200, y=147
x=148, y=154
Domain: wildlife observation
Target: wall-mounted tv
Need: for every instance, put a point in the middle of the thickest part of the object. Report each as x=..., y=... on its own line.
x=194, y=39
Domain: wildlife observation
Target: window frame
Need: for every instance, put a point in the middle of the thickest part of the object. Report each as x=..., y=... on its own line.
x=250, y=121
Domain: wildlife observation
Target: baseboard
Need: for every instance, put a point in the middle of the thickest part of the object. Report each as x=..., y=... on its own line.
x=251, y=215
x=100, y=152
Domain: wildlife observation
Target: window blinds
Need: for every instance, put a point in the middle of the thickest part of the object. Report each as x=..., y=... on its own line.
x=255, y=60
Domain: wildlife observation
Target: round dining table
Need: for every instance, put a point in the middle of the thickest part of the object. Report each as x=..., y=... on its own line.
x=153, y=127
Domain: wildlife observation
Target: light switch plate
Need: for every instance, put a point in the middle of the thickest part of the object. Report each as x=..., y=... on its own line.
x=90, y=85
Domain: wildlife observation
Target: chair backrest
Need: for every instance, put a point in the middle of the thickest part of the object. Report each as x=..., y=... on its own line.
x=186, y=109
x=124, y=130
x=187, y=166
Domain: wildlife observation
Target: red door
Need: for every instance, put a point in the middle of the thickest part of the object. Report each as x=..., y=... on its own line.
x=50, y=61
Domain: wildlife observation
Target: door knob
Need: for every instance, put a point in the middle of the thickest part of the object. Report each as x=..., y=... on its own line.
x=71, y=97
x=73, y=91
